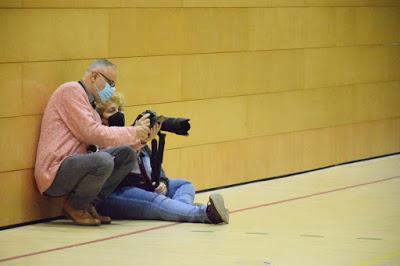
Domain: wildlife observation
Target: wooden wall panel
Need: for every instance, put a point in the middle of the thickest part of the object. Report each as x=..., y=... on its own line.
x=11, y=3
x=41, y=79
x=283, y=28
x=19, y=137
x=349, y=65
x=350, y=2
x=172, y=163
x=145, y=32
x=163, y=79
x=190, y=3
x=101, y=3
x=145, y=80
x=318, y=108
x=118, y=32
x=28, y=86
x=377, y=24
x=256, y=158
x=373, y=64
x=215, y=30
x=11, y=95
x=21, y=202
x=52, y=34
x=287, y=3
x=232, y=74
x=376, y=101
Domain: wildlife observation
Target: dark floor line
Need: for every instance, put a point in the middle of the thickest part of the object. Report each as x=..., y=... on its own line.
x=177, y=223
x=221, y=187
x=299, y=173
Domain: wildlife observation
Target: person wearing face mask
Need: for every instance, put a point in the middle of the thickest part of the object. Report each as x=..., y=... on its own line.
x=172, y=200
x=69, y=124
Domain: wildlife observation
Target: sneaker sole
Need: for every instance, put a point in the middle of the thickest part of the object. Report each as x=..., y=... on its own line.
x=218, y=202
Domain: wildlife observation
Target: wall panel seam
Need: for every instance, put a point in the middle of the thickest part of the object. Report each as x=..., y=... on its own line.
x=231, y=96
x=257, y=137
x=391, y=44
x=194, y=7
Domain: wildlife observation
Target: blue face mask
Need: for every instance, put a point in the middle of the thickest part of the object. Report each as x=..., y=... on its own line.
x=106, y=93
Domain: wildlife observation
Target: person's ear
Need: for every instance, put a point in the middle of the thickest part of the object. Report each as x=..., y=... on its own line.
x=93, y=77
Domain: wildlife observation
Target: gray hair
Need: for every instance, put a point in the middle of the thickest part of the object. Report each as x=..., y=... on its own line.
x=100, y=63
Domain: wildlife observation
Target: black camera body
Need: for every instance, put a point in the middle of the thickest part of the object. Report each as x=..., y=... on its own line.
x=179, y=126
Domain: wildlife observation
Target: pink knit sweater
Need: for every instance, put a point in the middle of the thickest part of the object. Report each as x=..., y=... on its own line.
x=69, y=124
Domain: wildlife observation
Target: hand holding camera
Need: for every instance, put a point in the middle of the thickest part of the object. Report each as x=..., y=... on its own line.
x=142, y=128
x=143, y=121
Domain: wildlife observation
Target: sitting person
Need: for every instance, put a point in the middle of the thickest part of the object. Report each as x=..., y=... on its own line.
x=69, y=126
x=172, y=200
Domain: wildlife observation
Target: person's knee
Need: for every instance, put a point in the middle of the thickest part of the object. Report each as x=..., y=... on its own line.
x=127, y=152
x=190, y=186
x=104, y=162
x=181, y=182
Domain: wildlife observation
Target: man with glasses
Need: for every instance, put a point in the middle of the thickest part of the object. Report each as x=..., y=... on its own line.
x=70, y=124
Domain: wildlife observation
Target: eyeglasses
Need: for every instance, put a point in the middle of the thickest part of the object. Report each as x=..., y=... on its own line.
x=109, y=81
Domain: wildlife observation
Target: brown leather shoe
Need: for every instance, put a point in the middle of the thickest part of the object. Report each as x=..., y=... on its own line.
x=216, y=211
x=80, y=217
x=103, y=219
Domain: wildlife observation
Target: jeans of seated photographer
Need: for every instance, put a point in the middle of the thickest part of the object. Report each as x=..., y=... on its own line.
x=139, y=204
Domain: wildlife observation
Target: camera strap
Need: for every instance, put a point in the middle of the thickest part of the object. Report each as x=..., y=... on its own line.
x=156, y=159
x=145, y=177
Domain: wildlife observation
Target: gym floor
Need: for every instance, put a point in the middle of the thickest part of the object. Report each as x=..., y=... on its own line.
x=343, y=215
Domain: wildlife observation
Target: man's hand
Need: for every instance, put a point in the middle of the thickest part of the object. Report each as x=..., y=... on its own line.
x=142, y=133
x=143, y=121
x=161, y=189
x=142, y=128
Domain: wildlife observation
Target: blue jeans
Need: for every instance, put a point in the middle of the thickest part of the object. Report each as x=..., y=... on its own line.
x=138, y=204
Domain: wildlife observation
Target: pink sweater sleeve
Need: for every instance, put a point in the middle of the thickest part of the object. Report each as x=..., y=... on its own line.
x=76, y=112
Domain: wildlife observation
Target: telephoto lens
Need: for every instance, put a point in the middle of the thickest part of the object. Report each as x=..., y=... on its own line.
x=179, y=126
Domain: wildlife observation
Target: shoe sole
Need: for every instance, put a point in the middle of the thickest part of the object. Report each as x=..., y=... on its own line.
x=81, y=224
x=218, y=202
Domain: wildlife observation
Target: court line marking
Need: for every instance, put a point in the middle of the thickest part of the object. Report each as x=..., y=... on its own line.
x=368, y=238
x=319, y=236
x=316, y=194
x=177, y=223
x=87, y=242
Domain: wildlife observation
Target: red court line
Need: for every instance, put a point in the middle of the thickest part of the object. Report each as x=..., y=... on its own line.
x=87, y=242
x=177, y=223
x=316, y=194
